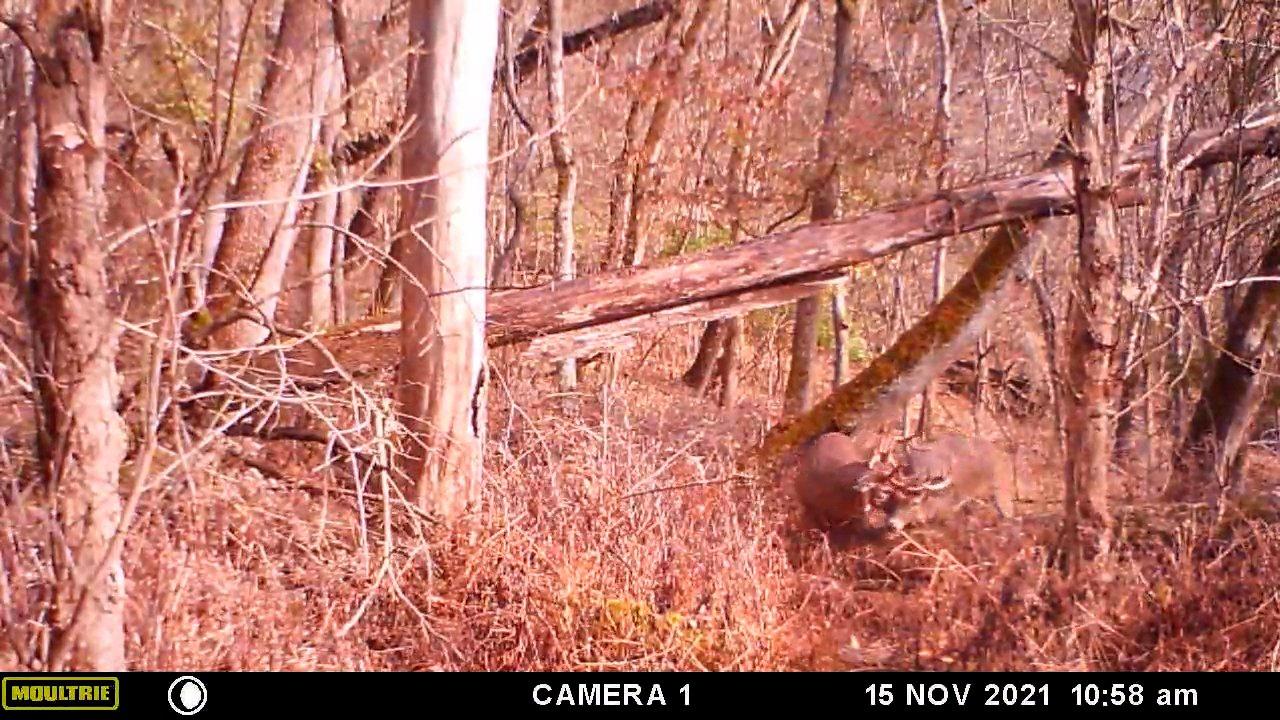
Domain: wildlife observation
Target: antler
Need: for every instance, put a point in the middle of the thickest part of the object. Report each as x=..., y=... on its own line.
x=933, y=483
x=886, y=482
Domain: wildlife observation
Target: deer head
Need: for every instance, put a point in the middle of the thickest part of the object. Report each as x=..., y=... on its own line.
x=839, y=483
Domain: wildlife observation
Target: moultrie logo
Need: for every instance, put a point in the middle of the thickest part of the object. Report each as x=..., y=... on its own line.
x=65, y=692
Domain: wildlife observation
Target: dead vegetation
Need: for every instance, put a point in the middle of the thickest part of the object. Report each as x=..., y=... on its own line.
x=619, y=533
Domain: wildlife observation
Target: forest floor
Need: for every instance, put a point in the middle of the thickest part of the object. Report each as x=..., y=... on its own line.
x=617, y=534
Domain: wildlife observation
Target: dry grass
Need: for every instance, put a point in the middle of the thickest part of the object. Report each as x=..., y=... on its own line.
x=616, y=534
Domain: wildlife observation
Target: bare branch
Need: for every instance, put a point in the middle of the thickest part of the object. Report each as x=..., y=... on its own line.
x=528, y=59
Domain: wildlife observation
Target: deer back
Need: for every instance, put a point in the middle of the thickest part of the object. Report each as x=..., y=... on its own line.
x=976, y=468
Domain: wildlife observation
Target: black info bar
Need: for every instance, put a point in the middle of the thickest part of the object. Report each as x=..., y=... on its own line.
x=245, y=694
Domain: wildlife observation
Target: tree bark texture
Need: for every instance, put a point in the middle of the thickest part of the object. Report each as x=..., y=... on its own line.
x=248, y=267
x=825, y=206
x=441, y=392
x=1091, y=325
x=82, y=440
x=20, y=176
x=566, y=167
x=1212, y=445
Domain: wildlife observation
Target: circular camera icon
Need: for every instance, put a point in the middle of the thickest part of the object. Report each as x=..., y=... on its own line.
x=187, y=695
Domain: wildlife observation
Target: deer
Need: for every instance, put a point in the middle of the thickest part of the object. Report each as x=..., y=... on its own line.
x=977, y=469
x=841, y=487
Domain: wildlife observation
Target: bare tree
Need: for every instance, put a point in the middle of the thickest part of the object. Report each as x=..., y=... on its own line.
x=643, y=143
x=245, y=281
x=1091, y=322
x=216, y=159
x=779, y=49
x=825, y=206
x=1213, y=444
x=82, y=440
x=324, y=177
x=13, y=87
x=942, y=132
x=441, y=391
x=18, y=179
x=566, y=168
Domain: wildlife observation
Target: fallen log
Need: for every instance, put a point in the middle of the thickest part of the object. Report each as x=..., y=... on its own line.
x=800, y=254
x=597, y=310
x=619, y=333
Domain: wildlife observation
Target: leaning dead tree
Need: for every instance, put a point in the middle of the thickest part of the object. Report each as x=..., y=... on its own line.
x=917, y=355
x=927, y=347
x=821, y=251
x=605, y=310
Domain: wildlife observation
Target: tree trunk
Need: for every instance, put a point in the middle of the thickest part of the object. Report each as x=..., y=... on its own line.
x=441, y=391
x=840, y=326
x=643, y=174
x=230, y=38
x=1049, y=329
x=631, y=184
x=710, y=344
x=566, y=168
x=320, y=252
x=620, y=192
x=272, y=174
x=728, y=367
x=324, y=177
x=892, y=378
x=268, y=284
x=338, y=263
x=826, y=205
x=804, y=350
x=13, y=81
x=82, y=440
x=389, y=277
x=22, y=175
x=1175, y=281
x=939, y=290
x=1132, y=384
x=1233, y=389
x=503, y=260
x=777, y=55
x=1138, y=361
x=1091, y=322
x=942, y=130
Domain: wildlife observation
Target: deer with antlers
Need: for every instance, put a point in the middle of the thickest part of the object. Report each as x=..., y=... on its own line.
x=841, y=487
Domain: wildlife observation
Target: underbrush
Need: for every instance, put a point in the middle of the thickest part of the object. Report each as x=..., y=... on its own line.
x=617, y=533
